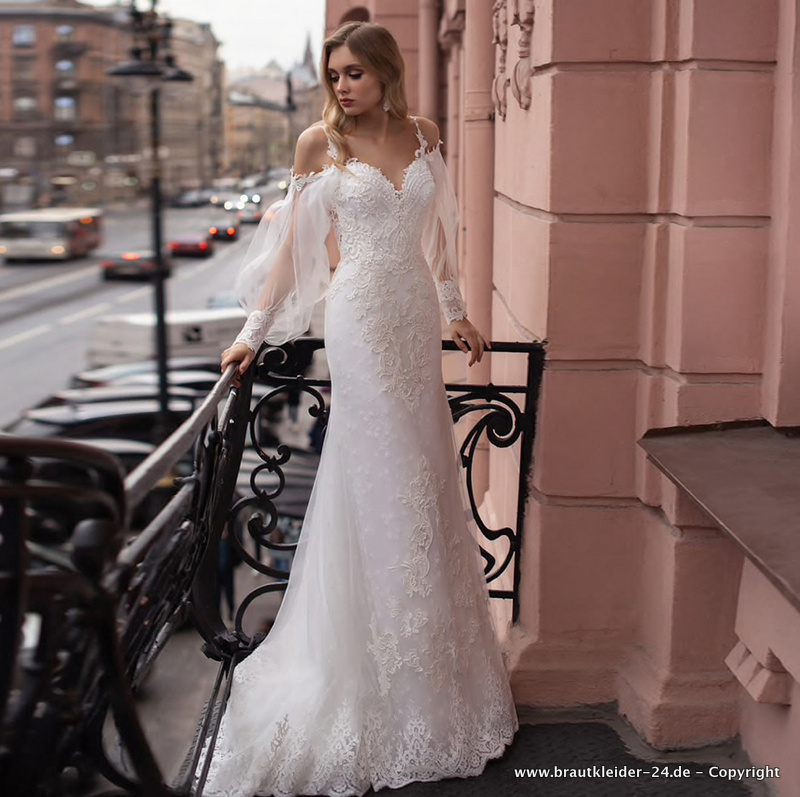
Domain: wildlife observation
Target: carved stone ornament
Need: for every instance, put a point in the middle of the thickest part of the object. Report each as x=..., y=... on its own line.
x=500, y=37
x=522, y=15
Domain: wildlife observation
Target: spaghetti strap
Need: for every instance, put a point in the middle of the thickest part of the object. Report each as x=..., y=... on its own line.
x=333, y=150
x=423, y=142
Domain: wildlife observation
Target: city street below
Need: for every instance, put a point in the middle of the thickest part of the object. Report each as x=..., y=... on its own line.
x=47, y=310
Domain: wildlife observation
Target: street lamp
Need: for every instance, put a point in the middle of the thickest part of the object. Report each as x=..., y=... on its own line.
x=152, y=35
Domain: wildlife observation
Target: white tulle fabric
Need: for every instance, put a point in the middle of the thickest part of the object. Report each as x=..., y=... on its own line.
x=383, y=666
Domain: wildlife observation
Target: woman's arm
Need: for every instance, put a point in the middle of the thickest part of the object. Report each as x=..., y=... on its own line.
x=282, y=276
x=439, y=242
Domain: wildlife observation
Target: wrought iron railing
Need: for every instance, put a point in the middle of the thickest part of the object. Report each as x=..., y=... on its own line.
x=85, y=608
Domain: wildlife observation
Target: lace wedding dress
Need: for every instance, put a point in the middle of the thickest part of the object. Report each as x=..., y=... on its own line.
x=382, y=667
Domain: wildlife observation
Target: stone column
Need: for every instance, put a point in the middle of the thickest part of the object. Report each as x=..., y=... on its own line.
x=781, y=381
x=478, y=153
x=428, y=64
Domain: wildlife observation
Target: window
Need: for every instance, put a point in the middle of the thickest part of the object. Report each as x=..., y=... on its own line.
x=64, y=33
x=24, y=68
x=64, y=140
x=25, y=106
x=65, y=68
x=24, y=36
x=25, y=147
x=64, y=108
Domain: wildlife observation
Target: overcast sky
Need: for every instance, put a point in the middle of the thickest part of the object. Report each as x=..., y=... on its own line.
x=252, y=32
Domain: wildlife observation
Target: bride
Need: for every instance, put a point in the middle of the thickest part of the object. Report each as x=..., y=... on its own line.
x=382, y=667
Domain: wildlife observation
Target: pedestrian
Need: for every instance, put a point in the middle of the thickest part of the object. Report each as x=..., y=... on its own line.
x=383, y=666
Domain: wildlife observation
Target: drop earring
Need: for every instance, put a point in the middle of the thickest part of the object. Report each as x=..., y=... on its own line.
x=386, y=106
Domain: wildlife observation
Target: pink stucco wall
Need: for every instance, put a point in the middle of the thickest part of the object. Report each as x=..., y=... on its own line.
x=641, y=190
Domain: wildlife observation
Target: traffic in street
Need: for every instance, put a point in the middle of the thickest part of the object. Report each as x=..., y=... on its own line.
x=48, y=309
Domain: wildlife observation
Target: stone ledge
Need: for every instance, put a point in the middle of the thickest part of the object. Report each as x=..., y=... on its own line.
x=747, y=478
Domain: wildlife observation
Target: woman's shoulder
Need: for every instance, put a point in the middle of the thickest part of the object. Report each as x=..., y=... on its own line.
x=429, y=130
x=311, y=152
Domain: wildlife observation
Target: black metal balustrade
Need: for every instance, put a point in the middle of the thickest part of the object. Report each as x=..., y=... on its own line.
x=85, y=607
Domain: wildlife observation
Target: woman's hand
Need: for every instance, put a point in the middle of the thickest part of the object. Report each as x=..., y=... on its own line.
x=238, y=353
x=468, y=339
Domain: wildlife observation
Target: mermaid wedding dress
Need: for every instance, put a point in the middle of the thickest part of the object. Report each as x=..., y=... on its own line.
x=382, y=667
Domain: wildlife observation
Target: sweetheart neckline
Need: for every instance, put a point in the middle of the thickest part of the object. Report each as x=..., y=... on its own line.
x=398, y=191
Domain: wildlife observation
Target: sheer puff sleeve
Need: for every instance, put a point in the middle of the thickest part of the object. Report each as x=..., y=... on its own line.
x=439, y=239
x=286, y=270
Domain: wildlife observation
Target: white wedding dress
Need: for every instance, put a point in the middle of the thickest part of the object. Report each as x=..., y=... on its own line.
x=382, y=667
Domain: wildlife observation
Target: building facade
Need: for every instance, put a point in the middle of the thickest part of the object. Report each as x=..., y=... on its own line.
x=60, y=116
x=193, y=119
x=266, y=112
x=625, y=171
x=71, y=134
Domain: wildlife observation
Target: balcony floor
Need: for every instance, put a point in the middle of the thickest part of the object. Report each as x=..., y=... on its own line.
x=586, y=741
x=577, y=739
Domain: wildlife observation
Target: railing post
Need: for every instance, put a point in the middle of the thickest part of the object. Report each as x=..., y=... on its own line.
x=533, y=383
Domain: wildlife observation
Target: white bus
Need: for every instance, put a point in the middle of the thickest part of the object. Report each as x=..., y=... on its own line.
x=50, y=233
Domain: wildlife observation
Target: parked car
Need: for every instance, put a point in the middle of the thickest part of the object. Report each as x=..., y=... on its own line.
x=192, y=245
x=249, y=213
x=108, y=374
x=134, y=419
x=188, y=199
x=139, y=264
x=224, y=232
x=200, y=380
x=90, y=395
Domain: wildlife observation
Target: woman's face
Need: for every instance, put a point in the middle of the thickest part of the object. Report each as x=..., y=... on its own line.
x=357, y=89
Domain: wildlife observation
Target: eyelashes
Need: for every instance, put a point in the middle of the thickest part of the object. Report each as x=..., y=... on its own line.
x=352, y=76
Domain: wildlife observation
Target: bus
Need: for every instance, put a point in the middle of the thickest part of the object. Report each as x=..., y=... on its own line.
x=50, y=233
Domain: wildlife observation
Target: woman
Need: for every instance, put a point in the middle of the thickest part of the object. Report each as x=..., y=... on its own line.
x=382, y=667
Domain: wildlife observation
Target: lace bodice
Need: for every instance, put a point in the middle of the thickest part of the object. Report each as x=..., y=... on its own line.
x=375, y=222
x=377, y=225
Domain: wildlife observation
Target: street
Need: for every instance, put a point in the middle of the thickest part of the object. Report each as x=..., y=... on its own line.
x=48, y=309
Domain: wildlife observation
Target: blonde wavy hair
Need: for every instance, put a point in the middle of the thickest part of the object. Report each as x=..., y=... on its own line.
x=377, y=51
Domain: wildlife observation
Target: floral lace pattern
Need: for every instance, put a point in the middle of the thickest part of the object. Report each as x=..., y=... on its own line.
x=450, y=299
x=254, y=331
x=423, y=497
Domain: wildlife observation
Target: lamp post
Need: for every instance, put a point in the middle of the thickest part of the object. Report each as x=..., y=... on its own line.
x=152, y=36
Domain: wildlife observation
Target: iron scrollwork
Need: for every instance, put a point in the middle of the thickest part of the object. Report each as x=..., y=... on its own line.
x=501, y=420
x=504, y=417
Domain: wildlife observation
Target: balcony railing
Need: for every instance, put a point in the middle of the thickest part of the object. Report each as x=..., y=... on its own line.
x=86, y=606
x=68, y=49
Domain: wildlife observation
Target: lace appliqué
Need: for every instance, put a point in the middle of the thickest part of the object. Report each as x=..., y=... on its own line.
x=300, y=181
x=254, y=331
x=423, y=496
x=450, y=300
